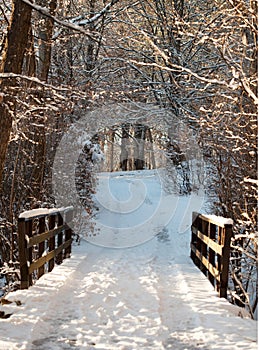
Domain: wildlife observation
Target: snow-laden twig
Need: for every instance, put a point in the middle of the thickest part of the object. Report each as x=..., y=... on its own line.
x=44, y=11
x=94, y=18
x=42, y=83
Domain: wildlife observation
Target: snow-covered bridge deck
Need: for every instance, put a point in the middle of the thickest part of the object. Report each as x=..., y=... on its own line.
x=138, y=298
x=149, y=296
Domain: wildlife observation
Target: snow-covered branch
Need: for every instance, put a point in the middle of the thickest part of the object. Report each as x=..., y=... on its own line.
x=86, y=21
x=42, y=83
x=44, y=11
x=179, y=69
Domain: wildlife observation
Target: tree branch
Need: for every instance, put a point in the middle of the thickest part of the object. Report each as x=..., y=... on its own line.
x=39, y=82
x=66, y=24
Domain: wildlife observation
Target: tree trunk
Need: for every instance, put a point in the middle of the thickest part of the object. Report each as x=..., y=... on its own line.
x=44, y=61
x=14, y=49
x=45, y=36
x=29, y=67
x=139, y=150
x=124, y=147
x=111, y=136
x=152, y=162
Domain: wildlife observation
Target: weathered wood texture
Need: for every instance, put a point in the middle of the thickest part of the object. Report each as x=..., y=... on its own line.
x=43, y=241
x=210, y=250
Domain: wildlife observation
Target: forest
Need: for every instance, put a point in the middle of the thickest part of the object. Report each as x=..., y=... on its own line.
x=192, y=64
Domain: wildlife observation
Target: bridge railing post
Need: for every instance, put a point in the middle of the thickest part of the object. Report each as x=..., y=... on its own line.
x=24, y=270
x=227, y=232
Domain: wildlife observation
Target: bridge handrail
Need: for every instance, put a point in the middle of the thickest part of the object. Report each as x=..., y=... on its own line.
x=210, y=248
x=44, y=238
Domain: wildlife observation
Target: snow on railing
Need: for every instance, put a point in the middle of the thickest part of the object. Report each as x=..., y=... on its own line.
x=45, y=238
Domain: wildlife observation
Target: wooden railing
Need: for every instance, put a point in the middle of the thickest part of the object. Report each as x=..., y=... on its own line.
x=210, y=249
x=44, y=240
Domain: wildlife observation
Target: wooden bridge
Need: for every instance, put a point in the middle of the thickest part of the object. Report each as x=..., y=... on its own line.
x=150, y=296
x=45, y=239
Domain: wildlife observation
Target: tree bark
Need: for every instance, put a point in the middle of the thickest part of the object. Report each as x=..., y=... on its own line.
x=139, y=149
x=45, y=36
x=152, y=164
x=43, y=66
x=12, y=62
x=124, y=147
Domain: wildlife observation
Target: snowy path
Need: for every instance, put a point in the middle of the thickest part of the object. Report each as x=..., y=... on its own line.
x=147, y=297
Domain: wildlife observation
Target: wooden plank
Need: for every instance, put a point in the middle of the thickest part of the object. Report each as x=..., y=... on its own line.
x=45, y=235
x=22, y=255
x=64, y=246
x=28, y=229
x=41, y=261
x=59, y=257
x=68, y=237
x=52, y=223
x=34, y=216
x=211, y=220
x=213, y=270
x=212, y=255
x=48, y=257
x=193, y=238
x=210, y=243
x=204, y=249
x=225, y=261
x=41, y=245
x=68, y=231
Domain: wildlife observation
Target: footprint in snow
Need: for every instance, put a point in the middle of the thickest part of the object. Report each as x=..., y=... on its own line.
x=148, y=201
x=163, y=236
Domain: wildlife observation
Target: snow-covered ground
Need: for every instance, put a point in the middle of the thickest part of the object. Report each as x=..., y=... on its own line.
x=131, y=286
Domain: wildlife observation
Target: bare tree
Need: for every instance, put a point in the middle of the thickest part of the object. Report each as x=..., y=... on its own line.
x=12, y=60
